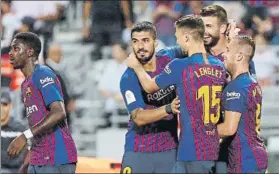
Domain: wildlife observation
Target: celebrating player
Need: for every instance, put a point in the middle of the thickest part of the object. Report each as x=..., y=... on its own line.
x=199, y=79
x=53, y=149
x=151, y=141
x=218, y=32
x=242, y=101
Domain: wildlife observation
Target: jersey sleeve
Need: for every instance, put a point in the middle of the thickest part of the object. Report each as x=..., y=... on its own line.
x=170, y=75
x=45, y=80
x=235, y=98
x=171, y=52
x=131, y=92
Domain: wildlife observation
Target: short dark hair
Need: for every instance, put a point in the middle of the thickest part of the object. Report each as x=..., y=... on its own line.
x=193, y=22
x=217, y=11
x=144, y=26
x=31, y=39
x=247, y=40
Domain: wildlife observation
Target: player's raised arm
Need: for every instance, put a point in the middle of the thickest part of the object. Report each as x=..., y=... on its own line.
x=146, y=81
x=162, y=80
x=172, y=52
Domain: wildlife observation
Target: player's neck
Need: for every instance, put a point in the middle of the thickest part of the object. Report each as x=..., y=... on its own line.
x=151, y=65
x=28, y=69
x=196, y=48
x=238, y=71
x=219, y=48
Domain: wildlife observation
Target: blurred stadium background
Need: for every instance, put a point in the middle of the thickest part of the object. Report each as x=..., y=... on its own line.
x=86, y=43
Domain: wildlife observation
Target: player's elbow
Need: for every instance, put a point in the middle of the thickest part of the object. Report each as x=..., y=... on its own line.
x=148, y=90
x=57, y=109
x=139, y=122
x=62, y=115
x=138, y=117
x=58, y=116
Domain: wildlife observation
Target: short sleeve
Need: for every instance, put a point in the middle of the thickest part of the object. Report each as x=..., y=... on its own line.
x=49, y=85
x=131, y=92
x=170, y=75
x=171, y=52
x=235, y=98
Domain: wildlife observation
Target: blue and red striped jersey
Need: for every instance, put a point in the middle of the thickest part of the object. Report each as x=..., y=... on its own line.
x=56, y=147
x=247, y=152
x=160, y=135
x=199, y=81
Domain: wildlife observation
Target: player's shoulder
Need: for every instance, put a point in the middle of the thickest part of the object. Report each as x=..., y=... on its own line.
x=241, y=83
x=43, y=69
x=177, y=63
x=169, y=52
x=128, y=75
x=164, y=52
x=43, y=72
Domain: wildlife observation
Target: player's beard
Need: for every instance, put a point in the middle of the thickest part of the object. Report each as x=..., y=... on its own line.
x=145, y=60
x=213, y=41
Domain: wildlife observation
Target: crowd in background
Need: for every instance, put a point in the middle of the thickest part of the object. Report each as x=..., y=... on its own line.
x=107, y=24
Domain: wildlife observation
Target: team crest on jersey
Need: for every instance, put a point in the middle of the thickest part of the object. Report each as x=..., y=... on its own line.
x=167, y=69
x=130, y=97
x=28, y=91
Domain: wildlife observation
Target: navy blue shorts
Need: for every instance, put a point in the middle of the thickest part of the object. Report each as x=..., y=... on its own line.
x=194, y=167
x=64, y=168
x=157, y=162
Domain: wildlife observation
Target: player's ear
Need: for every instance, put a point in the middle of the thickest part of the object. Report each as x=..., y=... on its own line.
x=156, y=43
x=186, y=35
x=31, y=52
x=240, y=56
x=223, y=28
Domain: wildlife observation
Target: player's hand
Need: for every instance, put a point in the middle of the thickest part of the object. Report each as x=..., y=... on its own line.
x=232, y=30
x=17, y=145
x=132, y=61
x=175, y=105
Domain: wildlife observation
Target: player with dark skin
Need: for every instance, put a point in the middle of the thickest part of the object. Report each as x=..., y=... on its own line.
x=24, y=57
